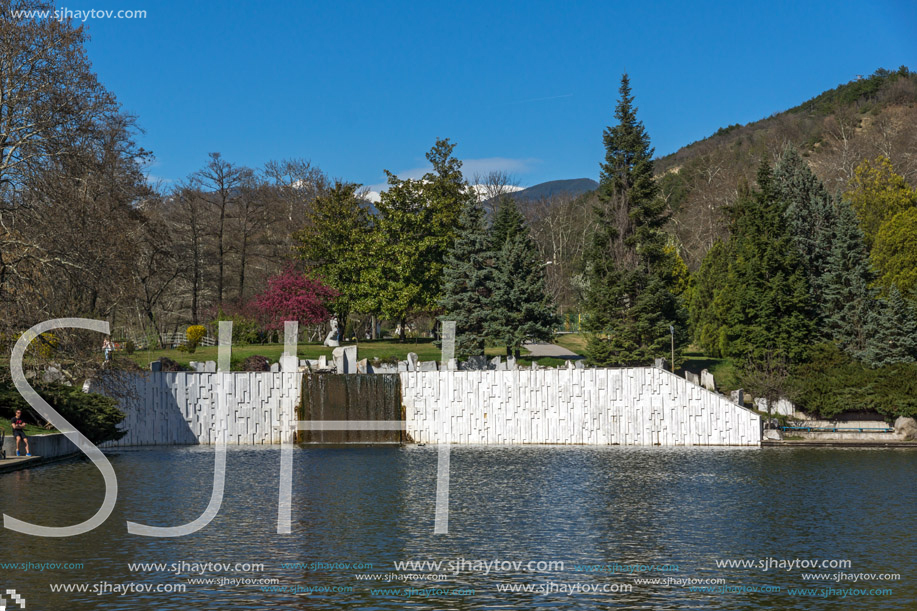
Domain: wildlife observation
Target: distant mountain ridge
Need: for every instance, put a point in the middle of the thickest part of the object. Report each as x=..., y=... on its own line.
x=572, y=187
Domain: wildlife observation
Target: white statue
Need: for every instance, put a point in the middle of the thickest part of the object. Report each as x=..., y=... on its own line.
x=332, y=339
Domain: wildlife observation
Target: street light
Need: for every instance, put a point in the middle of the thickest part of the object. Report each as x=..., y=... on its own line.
x=672, y=333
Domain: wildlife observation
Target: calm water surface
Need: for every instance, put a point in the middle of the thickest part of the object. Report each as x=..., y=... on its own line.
x=590, y=508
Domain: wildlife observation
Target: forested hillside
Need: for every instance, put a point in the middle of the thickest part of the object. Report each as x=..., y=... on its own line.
x=834, y=132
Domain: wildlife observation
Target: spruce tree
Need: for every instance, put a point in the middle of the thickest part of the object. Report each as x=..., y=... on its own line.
x=849, y=296
x=468, y=281
x=891, y=331
x=627, y=262
x=508, y=222
x=708, y=284
x=765, y=300
x=811, y=219
x=520, y=308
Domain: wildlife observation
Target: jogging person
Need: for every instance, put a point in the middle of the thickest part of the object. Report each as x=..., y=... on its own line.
x=18, y=425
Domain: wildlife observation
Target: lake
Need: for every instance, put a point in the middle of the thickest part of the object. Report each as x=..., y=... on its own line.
x=544, y=527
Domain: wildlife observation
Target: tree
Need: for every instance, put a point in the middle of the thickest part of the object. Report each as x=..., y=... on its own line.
x=891, y=331
x=766, y=301
x=292, y=295
x=508, y=222
x=414, y=230
x=335, y=245
x=219, y=183
x=70, y=176
x=849, y=296
x=894, y=252
x=520, y=309
x=468, y=280
x=630, y=307
x=877, y=194
x=706, y=298
x=811, y=218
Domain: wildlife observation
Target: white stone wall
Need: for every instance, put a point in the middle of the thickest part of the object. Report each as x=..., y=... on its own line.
x=638, y=406
x=181, y=408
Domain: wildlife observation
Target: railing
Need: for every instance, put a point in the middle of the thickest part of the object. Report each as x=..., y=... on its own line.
x=828, y=429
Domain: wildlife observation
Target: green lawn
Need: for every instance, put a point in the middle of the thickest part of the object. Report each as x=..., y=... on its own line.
x=575, y=342
x=724, y=371
x=370, y=349
x=29, y=429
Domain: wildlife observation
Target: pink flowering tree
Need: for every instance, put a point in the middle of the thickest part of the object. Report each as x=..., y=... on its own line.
x=291, y=295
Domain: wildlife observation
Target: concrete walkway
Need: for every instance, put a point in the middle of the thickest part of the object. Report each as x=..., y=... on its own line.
x=552, y=350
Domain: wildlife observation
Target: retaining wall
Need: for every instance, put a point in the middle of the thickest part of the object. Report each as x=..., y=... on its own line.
x=165, y=408
x=637, y=406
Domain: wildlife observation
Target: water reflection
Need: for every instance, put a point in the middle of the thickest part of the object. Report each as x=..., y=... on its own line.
x=579, y=505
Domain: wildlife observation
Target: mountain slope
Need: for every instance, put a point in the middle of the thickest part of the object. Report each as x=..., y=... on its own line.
x=835, y=131
x=572, y=187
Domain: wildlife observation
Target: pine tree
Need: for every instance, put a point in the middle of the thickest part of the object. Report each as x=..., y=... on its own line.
x=508, y=222
x=468, y=281
x=627, y=262
x=520, y=309
x=765, y=301
x=811, y=219
x=708, y=284
x=891, y=332
x=849, y=296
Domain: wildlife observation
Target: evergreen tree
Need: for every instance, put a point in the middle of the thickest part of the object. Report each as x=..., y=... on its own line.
x=811, y=218
x=705, y=297
x=765, y=302
x=848, y=294
x=891, y=331
x=520, y=309
x=508, y=222
x=627, y=262
x=468, y=281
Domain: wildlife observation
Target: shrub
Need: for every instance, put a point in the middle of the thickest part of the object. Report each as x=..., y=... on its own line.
x=129, y=347
x=170, y=365
x=194, y=334
x=245, y=328
x=47, y=345
x=832, y=383
x=94, y=415
x=256, y=363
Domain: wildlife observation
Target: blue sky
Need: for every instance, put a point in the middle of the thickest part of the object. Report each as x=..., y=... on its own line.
x=526, y=87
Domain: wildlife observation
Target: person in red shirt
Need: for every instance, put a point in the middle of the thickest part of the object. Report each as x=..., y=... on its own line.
x=18, y=425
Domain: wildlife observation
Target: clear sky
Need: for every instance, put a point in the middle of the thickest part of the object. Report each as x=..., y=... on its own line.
x=526, y=87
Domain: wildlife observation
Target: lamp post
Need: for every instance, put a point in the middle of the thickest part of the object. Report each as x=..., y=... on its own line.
x=672, y=333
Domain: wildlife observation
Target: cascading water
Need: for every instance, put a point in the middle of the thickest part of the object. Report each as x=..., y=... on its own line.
x=351, y=397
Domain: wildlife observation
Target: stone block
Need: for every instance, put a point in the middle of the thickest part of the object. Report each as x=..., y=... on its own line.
x=475, y=363
x=426, y=366
x=707, y=381
x=412, y=361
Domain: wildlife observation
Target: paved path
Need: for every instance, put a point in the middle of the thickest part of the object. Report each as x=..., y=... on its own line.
x=540, y=350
